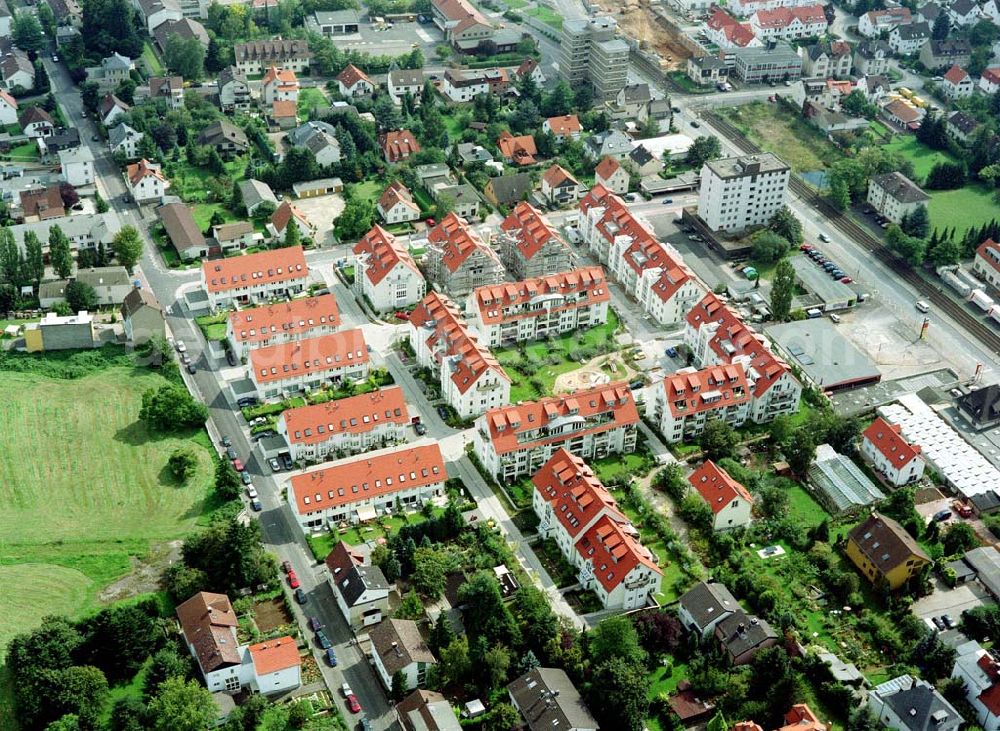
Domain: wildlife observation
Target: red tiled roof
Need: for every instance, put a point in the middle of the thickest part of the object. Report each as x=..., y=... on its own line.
x=451, y=337
x=283, y=109
x=359, y=414
x=44, y=203
x=567, y=124
x=527, y=67
x=285, y=78
x=902, y=111
x=956, y=75
x=783, y=17
x=575, y=493
x=264, y=267
x=12, y=102
x=521, y=149
x=458, y=241
x=460, y=12
x=801, y=718
x=271, y=656
x=284, y=213
x=711, y=388
x=717, y=487
x=139, y=170
x=531, y=230
x=557, y=176
x=991, y=696
x=505, y=423
x=992, y=74
x=888, y=440
x=296, y=316
x=672, y=278
x=351, y=75
x=747, y=726
x=590, y=281
x=275, y=363
x=739, y=34
x=398, y=145
x=989, y=251
x=207, y=621
x=396, y=193
x=606, y=168
x=368, y=477
x=384, y=253
x=613, y=552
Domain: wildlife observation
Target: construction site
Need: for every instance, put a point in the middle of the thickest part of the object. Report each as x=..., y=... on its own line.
x=655, y=32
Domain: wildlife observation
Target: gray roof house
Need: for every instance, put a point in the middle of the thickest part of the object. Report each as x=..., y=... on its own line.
x=985, y=561
x=908, y=704
x=361, y=591
x=547, y=699
x=470, y=152
x=110, y=283
x=255, y=193
x=741, y=636
x=398, y=647
x=505, y=190
x=612, y=142
x=704, y=606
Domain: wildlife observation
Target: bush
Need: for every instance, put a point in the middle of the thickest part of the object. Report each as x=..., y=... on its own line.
x=182, y=463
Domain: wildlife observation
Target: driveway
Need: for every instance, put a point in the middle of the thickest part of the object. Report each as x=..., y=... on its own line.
x=321, y=212
x=944, y=600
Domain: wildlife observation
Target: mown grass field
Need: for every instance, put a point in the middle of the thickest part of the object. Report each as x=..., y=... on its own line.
x=774, y=128
x=84, y=486
x=312, y=99
x=922, y=157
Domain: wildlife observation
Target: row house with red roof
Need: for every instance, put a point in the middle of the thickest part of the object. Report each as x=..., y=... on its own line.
x=348, y=425
x=785, y=24
x=986, y=265
x=457, y=260
x=251, y=278
x=885, y=447
x=684, y=402
x=471, y=379
x=281, y=322
x=511, y=441
x=530, y=247
x=980, y=672
x=725, y=31
x=513, y=312
x=385, y=272
x=593, y=534
x=746, y=8
x=302, y=365
x=362, y=488
x=208, y=624
x=648, y=270
x=730, y=501
x=716, y=336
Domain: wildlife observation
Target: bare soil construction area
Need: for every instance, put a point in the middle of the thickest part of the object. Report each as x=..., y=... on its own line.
x=639, y=21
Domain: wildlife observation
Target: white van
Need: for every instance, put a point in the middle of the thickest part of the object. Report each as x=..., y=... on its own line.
x=835, y=318
x=923, y=306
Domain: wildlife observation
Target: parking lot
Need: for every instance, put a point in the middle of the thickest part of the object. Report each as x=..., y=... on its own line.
x=944, y=600
x=321, y=212
x=401, y=38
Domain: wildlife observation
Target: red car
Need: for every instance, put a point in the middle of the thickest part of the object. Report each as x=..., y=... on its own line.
x=238, y=465
x=286, y=566
x=431, y=222
x=352, y=703
x=806, y=247
x=401, y=315
x=293, y=580
x=846, y=280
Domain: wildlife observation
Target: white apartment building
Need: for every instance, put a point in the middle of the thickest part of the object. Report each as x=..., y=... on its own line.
x=349, y=425
x=739, y=192
x=302, y=365
x=785, y=24
x=730, y=501
x=980, y=672
x=471, y=379
x=512, y=441
x=515, y=312
x=682, y=403
x=885, y=448
x=281, y=322
x=530, y=247
x=385, y=273
x=362, y=488
x=583, y=518
x=145, y=182
x=260, y=277
x=986, y=265
x=894, y=195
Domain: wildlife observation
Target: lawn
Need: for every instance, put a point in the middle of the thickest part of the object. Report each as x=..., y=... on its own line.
x=802, y=507
x=922, y=156
x=368, y=190
x=203, y=212
x=83, y=488
x=151, y=60
x=622, y=465
x=191, y=183
x=323, y=543
x=973, y=205
x=312, y=99
x=547, y=16
x=533, y=372
x=515, y=4
x=774, y=128
x=213, y=326
x=23, y=153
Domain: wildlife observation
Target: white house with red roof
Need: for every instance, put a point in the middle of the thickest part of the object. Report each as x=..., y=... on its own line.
x=980, y=672
x=457, y=260
x=8, y=108
x=986, y=265
x=565, y=127
x=352, y=82
x=279, y=85
x=725, y=31
x=471, y=379
x=362, y=488
x=612, y=175
x=516, y=440
x=513, y=312
x=288, y=213
x=989, y=80
x=464, y=27
x=385, y=272
x=349, y=425
x=251, y=278
x=746, y=8
x=396, y=205
x=559, y=187
x=957, y=83
x=885, y=447
x=281, y=322
x=302, y=365
x=616, y=566
x=683, y=402
x=145, y=182
x=530, y=247
x=398, y=145
x=276, y=665
x=783, y=24
x=874, y=22
x=716, y=336
x=730, y=501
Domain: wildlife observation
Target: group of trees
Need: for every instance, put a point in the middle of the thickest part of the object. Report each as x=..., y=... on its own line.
x=171, y=407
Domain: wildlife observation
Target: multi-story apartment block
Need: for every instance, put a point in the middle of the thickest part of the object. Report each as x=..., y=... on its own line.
x=464, y=85
x=515, y=312
x=648, y=270
x=530, y=247
x=579, y=513
x=739, y=192
x=348, y=425
x=260, y=277
x=457, y=260
x=471, y=379
x=827, y=59
x=873, y=23
x=682, y=403
x=590, y=53
x=512, y=441
x=362, y=488
x=281, y=322
x=887, y=450
x=302, y=365
x=385, y=272
x=894, y=195
x=716, y=336
x=785, y=24
x=256, y=57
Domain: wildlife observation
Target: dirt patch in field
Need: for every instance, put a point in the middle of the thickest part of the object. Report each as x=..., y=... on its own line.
x=637, y=20
x=146, y=573
x=597, y=371
x=271, y=614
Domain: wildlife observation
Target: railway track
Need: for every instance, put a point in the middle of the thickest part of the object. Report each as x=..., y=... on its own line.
x=978, y=328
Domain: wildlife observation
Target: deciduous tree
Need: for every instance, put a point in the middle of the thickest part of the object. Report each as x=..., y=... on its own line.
x=80, y=296
x=782, y=290
x=127, y=245
x=170, y=407
x=718, y=439
x=182, y=706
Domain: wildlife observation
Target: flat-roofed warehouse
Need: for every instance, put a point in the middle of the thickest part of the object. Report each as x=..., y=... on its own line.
x=823, y=356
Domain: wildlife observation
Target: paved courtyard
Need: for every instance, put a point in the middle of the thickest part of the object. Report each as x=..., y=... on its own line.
x=321, y=212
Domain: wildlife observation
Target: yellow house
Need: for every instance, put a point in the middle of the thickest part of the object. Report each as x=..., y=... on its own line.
x=884, y=552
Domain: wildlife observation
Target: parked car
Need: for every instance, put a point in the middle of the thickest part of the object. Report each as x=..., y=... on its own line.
x=671, y=352
x=431, y=222
x=961, y=508
x=939, y=623
x=346, y=690
x=185, y=359
x=245, y=476
x=238, y=465
x=420, y=429
x=824, y=238
x=231, y=453
x=636, y=385
x=667, y=201
x=352, y=703
x=231, y=358
x=286, y=566
x=806, y=247
x=942, y=515
x=300, y=596
x=286, y=461
x=948, y=621
x=365, y=724
x=836, y=273
x=251, y=492
x=694, y=123
x=314, y=624
x=267, y=433
x=322, y=640
x=273, y=464
x=257, y=421
x=846, y=280
x=402, y=315
x=226, y=442
x=442, y=412
x=181, y=347
x=191, y=368
x=331, y=657
x=256, y=505
x=246, y=401
x=293, y=580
